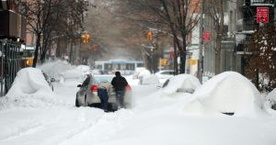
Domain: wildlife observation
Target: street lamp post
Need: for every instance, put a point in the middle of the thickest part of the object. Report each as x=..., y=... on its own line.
x=151, y=55
x=200, y=59
x=152, y=59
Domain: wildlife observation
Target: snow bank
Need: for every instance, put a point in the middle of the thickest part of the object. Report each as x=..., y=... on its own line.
x=228, y=92
x=149, y=80
x=63, y=71
x=77, y=74
x=84, y=68
x=29, y=89
x=56, y=68
x=29, y=81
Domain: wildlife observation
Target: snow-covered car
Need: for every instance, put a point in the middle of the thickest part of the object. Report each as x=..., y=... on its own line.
x=220, y=95
x=149, y=80
x=72, y=75
x=163, y=75
x=137, y=72
x=183, y=83
x=142, y=74
x=87, y=95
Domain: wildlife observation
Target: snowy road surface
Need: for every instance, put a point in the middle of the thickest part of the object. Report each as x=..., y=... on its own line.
x=60, y=123
x=157, y=118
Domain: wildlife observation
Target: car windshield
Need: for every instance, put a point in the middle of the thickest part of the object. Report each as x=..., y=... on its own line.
x=102, y=78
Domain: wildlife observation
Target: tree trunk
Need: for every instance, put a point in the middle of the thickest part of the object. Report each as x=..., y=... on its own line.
x=43, y=56
x=220, y=26
x=175, y=58
x=218, y=55
x=58, y=48
x=183, y=61
x=183, y=54
x=37, y=47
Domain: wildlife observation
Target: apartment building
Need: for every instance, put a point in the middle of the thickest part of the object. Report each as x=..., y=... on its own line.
x=241, y=19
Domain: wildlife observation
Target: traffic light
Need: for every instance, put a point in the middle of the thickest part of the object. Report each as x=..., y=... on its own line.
x=164, y=61
x=29, y=62
x=85, y=38
x=149, y=35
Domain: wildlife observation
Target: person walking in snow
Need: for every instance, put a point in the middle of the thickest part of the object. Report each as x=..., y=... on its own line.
x=119, y=83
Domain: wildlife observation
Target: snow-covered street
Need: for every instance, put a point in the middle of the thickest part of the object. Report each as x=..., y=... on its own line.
x=158, y=117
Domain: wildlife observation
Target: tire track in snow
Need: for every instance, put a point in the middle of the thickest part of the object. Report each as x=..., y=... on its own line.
x=54, y=128
x=29, y=128
x=99, y=130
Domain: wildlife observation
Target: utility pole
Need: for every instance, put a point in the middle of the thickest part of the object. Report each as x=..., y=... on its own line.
x=200, y=56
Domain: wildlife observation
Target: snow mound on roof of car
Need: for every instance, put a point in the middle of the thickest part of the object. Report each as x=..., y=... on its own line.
x=181, y=81
x=228, y=92
x=33, y=79
x=30, y=89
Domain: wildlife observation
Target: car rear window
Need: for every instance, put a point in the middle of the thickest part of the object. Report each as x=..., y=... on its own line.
x=102, y=78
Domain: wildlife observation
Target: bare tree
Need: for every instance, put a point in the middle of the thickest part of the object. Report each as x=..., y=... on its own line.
x=113, y=34
x=175, y=17
x=37, y=16
x=49, y=18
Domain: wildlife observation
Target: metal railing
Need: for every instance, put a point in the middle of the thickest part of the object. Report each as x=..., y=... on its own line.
x=9, y=63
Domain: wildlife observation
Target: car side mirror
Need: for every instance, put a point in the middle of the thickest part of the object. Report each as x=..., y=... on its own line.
x=166, y=83
x=79, y=85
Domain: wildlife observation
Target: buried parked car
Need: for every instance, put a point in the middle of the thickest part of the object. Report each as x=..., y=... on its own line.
x=184, y=83
x=227, y=93
x=149, y=80
x=164, y=75
x=29, y=81
x=87, y=95
x=137, y=71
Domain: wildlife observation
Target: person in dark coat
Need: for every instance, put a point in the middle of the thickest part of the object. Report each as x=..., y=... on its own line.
x=119, y=83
